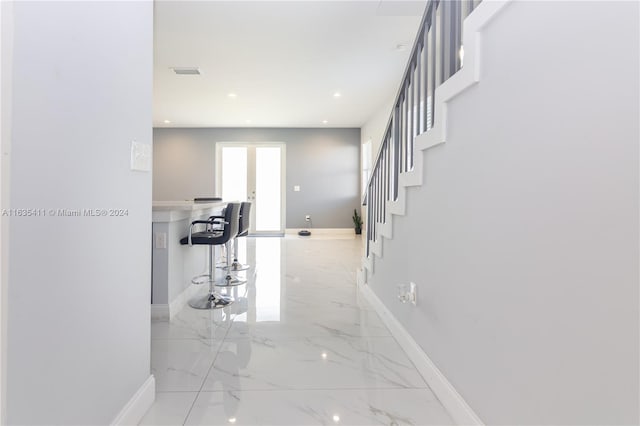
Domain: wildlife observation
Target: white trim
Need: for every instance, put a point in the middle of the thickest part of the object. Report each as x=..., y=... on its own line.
x=466, y=77
x=360, y=277
x=166, y=312
x=160, y=312
x=182, y=299
x=375, y=247
x=135, y=409
x=452, y=401
x=322, y=231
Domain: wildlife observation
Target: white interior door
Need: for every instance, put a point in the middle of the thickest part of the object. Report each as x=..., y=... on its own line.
x=256, y=173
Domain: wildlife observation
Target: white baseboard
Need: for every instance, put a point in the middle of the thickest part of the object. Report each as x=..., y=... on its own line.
x=159, y=312
x=360, y=277
x=181, y=301
x=322, y=231
x=166, y=312
x=134, y=410
x=452, y=401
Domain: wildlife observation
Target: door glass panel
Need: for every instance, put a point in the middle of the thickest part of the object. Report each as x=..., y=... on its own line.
x=268, y=182
x=234, y=173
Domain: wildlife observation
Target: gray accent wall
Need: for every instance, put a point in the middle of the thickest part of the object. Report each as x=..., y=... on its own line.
x=325, y=163
x=523, y=239
x=79, y=286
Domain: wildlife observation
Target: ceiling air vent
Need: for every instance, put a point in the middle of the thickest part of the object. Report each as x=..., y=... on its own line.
x=187, y=71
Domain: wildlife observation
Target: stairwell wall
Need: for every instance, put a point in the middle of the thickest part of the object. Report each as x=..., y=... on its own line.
x=523, y=239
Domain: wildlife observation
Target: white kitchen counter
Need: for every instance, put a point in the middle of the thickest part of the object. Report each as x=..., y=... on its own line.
x=174, y=264
x=170, y=211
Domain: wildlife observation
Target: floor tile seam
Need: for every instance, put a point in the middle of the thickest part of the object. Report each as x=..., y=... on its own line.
x=193, y=403
x=288, y=340
x=314, y=336
x=296, y=338
x=324, y=315
x=298, y=389
x=164, y=339
x=207, y=342
x=204, y=379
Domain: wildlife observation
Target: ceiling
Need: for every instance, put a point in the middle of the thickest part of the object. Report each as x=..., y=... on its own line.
x=283, y=60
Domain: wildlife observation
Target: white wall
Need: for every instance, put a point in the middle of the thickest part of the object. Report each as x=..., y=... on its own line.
x=523, y=240
x=374, y=128
x=6, y=47
x=79, y=287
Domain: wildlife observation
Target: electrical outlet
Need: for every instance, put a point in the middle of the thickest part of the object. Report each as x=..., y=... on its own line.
x=308, y=218
x=408, y=293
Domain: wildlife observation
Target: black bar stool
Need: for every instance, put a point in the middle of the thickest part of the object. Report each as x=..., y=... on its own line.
x=243, y=231
x=213, y=237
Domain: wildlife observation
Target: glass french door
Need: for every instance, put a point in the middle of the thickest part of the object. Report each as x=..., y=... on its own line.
x=254, y=172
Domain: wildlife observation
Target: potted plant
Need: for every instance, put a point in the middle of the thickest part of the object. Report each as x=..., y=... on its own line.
x=357, y=222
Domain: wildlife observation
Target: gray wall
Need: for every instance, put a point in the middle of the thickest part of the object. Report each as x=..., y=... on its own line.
x=324, y=162
x=79, y=287
x=523, y=241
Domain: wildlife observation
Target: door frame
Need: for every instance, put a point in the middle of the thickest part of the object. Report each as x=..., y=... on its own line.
x=283, y=176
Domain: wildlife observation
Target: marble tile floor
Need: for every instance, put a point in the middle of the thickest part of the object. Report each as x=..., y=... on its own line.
x=298, y=347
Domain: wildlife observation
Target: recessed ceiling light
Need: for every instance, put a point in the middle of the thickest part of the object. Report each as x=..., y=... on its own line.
x=401, y=47
x=186, y=70
x=336, y=418
x=167, y=121
x=324, y=121
x=337, y=95
x=232, y=95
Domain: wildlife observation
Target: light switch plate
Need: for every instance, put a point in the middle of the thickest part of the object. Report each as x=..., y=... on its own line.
x=140, y=156
x=161, y=240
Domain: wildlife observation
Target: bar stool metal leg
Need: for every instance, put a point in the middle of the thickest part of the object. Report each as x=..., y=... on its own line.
x=213, y=299
x=229, y=280
x=204, y=278
x=236, y=265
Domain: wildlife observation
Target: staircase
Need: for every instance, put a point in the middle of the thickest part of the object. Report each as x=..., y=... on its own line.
x=506, y=259
x=444, y=62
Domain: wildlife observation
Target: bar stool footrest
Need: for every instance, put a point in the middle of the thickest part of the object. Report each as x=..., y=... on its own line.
x=201, y=279
x=237, y=267
x=210, y=301
x=229, y=281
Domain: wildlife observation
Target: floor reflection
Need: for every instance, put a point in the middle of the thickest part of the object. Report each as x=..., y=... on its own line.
x=298, y=347
x=264, y=291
